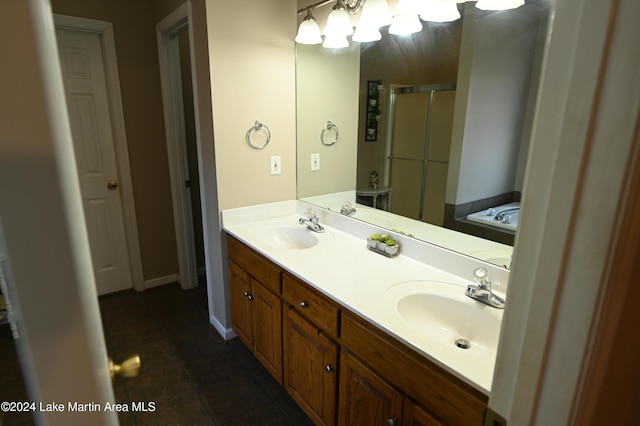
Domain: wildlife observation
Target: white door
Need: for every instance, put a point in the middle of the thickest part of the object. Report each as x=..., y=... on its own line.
x=44, y=250
x=88, y=104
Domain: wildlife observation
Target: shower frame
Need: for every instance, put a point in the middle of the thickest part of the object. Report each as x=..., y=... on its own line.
x=393, y=93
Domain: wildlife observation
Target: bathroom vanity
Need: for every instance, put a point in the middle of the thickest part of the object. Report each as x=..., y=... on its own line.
x=337, y=325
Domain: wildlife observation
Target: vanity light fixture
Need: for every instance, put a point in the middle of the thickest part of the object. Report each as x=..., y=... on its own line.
x=410, y=7
x=309, y=31
x=335, y=41
x=376, y=14
x=338, y=22
x=365, y=32
x=499, y=4
x=405, y=25
x=440, y=11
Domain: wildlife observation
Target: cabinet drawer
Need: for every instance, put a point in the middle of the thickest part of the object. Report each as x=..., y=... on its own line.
x=316, y=307
x=441, y=393
x=260, y=268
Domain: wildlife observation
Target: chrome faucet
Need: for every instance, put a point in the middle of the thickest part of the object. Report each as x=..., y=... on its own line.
x=347, y=209
x=505, y=213
x=311, y=222
x=482, y=291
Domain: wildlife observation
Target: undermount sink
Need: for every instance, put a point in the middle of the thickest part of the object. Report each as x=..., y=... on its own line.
x=280, y=235
x=442, y=313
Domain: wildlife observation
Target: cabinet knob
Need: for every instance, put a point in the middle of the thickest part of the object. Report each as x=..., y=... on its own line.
x=304, y=304
x=328, y=368
x=392, y=422
x=247, y=295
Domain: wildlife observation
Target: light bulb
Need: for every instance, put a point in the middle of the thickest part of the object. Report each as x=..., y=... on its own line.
x=376, y=13
x=499, y=4
x=335, y=41
x=440, y=11
x=338, y=22
x=366, y=32
x=410, y=7
x=405, y=25
x=308, y=32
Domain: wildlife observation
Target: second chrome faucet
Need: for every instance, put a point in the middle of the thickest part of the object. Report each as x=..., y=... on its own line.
x=347, y=209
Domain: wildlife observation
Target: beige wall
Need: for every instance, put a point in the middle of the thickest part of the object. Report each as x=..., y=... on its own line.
x=137, y=53
x=251, y=54
x=327, y=90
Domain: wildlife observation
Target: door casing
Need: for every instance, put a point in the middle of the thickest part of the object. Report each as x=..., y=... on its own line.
x=168, y=54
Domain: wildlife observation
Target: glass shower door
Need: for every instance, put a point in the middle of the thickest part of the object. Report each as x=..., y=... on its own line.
x=419, y=151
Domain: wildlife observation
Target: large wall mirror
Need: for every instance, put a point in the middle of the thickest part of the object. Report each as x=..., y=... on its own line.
x=428, y=133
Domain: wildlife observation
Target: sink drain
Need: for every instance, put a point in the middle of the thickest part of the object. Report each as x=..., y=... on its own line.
x=463, y=344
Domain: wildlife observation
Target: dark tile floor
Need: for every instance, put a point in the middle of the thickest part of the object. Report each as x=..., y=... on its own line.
x=193, y=375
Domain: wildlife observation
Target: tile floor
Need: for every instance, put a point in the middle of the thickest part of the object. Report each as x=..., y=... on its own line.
x=193, y=376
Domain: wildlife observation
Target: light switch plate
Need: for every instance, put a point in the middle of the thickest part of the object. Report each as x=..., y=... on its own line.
x=315, y=161
x=276, y=166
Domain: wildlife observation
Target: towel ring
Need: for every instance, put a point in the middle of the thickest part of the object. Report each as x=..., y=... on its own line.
x=329, y=126
x=257, y=127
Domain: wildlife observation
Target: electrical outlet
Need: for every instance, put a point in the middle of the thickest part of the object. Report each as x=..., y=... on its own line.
x=276, y=167
x=315, y=162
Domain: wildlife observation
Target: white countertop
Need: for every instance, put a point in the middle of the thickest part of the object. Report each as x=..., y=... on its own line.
x=341, y=267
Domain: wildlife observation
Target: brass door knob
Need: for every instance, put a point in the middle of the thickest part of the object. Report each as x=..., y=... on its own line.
x=112, y=184
x=130, y=367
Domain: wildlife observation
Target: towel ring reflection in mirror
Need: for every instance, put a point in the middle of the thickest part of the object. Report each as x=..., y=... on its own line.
x=330, y=127
x=256, y=128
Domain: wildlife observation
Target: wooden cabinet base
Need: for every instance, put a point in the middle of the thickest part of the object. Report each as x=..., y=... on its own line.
x=447, y=397
x=310, y=368
x=294, y=331
x=366, y=399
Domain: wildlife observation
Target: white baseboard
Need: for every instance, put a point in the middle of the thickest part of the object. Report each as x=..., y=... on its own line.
x=226, y=333
x=167, y=279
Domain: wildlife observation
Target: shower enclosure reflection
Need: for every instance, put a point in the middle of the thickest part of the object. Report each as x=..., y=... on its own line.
x=420, y=121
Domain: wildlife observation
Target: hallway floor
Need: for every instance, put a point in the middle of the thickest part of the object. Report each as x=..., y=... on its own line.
x=193, y=375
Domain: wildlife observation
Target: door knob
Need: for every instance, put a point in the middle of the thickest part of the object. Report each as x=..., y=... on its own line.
x=130, y=367
x=112, y=184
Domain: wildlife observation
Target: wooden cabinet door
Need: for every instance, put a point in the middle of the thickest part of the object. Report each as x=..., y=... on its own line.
x=365, y=398
x=267, y=329
x=310, y=361
x=240, y=299
x=414, y=415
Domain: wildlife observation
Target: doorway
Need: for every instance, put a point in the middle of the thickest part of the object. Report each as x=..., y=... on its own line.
x=88, y=62
x=175, y=51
